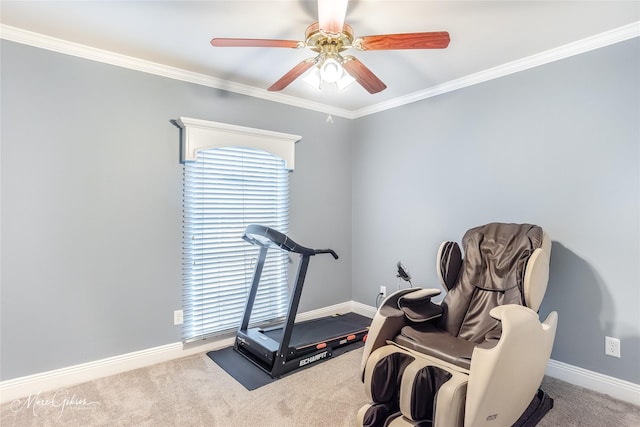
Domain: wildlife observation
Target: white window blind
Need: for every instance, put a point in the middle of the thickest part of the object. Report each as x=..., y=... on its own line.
x=225, y=190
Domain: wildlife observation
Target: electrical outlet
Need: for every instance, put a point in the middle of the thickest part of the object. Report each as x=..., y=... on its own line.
x=177, y=317
x=612, y=346
x=383, y=291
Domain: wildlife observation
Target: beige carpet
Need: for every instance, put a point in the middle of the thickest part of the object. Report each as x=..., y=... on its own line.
x=193, y=391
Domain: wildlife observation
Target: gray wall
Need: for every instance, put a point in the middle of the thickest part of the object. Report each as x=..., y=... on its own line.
x=558, y=146
x=91, y=198
x=92, y=204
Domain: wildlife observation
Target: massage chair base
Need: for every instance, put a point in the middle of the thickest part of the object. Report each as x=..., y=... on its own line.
x=540, y=405
x=538, y=408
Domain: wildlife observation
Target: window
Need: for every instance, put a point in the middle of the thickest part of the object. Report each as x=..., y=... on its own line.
x=228, y=185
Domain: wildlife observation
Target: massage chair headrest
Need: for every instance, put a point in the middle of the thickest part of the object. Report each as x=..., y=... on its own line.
x=503, y=256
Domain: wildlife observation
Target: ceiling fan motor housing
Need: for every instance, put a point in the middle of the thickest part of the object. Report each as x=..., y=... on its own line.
x=317, y=40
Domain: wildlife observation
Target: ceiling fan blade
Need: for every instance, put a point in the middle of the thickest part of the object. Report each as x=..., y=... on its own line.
x=432, y=40
x=229, y=42
x=363, y=75
x=293, y=74
x=331, y=14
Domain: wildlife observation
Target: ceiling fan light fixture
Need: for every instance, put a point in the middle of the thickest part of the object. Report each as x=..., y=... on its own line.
x=331, y=71
x=345, y=81
x=313, y=79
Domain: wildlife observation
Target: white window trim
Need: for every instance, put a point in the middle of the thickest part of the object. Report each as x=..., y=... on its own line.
x=203, y=134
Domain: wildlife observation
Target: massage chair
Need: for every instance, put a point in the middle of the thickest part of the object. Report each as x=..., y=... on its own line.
x=478, y=357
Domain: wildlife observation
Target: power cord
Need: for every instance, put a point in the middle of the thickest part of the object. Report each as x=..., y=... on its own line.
x=378, y=299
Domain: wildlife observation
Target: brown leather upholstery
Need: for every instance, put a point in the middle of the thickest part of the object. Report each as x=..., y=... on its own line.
x=430, y=340
x=435, y=342
x=491, y=274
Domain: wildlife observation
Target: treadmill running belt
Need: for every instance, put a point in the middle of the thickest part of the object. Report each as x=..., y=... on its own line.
x=323, y=329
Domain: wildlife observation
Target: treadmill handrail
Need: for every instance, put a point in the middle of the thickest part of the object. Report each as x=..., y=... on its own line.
x=262, y=235
x=327, y=251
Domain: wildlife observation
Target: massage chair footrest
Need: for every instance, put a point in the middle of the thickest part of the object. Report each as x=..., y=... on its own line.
x=409, y=390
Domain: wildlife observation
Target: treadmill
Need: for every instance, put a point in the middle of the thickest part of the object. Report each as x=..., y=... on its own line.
x=284, y=348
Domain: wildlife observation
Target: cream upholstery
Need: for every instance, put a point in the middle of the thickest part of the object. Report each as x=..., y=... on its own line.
x=504, y=379
x=449, y=411
x=386, y=323
x=508, y=346
x=536, y=275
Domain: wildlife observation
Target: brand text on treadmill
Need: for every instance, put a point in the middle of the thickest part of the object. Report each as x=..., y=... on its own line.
x=312, y=359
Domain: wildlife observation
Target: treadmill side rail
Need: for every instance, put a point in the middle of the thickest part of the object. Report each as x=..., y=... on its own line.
x=284, y=366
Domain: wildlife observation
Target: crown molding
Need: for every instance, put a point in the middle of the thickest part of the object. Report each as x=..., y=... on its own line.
x=607, y=38
x=30, y=38
x=581, y=46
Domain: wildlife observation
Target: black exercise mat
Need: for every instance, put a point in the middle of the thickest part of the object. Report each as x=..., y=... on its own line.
x=245, y=372
x=252, y=377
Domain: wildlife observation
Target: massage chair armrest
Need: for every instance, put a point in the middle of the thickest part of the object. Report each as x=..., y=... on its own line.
x=504, y=379
x=389, y=320
x=417, y=306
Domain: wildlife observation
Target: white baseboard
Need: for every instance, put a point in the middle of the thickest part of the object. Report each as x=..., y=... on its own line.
x=362, y=309
x=66, y=377
x=77, y=374
x=614, y=387
x=344, y=307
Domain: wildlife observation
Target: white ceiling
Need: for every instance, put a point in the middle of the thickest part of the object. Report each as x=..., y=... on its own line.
x=484, y=35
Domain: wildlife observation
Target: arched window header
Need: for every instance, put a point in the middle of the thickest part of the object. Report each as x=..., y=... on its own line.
x=202, y=134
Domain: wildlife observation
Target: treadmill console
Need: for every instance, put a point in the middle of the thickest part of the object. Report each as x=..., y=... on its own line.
x=264, y=236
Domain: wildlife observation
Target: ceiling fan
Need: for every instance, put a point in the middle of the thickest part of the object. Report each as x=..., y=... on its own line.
x=329, y=37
